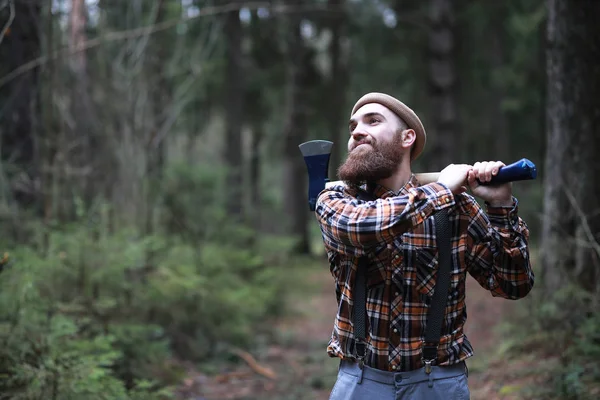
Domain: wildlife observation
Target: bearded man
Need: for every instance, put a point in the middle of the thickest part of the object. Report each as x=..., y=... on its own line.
x=394, y=230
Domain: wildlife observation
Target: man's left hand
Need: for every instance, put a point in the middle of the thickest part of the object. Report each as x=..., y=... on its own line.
x=496, y=195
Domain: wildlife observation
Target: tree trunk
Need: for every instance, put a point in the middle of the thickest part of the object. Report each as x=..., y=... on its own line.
x=500, y=136
x=81, y=131
x=161, y=97
x=255, y=175
x=443, y=134
x=571, y=224
x=234, y=111
x=298, y=65
x=338, y=85
x=265, y=52
x=77, y=20
x=20, y=117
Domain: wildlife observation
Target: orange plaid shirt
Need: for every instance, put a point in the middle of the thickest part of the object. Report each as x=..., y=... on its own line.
x=398, y=235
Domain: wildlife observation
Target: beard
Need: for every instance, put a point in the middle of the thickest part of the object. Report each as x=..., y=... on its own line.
x=371, y=164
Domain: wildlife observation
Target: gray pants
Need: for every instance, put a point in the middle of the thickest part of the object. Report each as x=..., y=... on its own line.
x=448, y=383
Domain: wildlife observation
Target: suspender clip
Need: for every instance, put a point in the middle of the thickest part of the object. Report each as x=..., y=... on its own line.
x=427, y=366
x=361, y=350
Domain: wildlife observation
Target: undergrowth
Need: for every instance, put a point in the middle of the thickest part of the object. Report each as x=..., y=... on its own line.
x=90, y=312
x=558, y=338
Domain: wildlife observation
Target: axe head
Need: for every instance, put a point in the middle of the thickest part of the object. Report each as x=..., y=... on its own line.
x=316, y=156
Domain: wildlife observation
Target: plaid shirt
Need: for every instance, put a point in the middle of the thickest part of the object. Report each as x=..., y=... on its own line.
x=398, y=235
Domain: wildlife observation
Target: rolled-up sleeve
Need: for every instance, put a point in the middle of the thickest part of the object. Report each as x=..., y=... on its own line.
x=499, y=251
x=350, y=226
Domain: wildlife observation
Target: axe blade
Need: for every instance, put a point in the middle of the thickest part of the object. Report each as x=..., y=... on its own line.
x=316, y=155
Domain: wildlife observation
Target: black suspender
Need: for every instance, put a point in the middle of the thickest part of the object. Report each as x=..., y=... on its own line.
x=360, y=310
x=436, y=312
x=360, y=299
x=435, y=316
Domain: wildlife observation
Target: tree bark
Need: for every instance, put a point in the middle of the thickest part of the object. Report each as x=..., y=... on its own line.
x=571, y=223
x=443, y=134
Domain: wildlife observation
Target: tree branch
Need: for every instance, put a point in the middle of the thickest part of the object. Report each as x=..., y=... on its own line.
x=147, y=30
x=11, y=18
x=593, y=243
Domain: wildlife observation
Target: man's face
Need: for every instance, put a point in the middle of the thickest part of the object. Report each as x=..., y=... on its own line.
x=375, y=146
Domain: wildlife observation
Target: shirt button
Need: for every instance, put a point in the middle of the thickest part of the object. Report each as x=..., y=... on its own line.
x=396, y=257
x=396, y=294
x=394, y=367
x=447, y=199
x=395, y=330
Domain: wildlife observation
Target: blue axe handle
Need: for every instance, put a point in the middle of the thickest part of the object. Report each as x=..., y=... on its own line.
x=316, y=156
x=521, y=170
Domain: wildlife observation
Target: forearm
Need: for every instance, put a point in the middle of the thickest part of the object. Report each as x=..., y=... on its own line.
x=351, y=226
x=500, y=258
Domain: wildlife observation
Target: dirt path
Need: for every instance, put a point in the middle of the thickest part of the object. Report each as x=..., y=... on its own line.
x=296, y=367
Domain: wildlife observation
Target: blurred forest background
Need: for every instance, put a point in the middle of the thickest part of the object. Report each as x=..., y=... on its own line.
x=153, y=201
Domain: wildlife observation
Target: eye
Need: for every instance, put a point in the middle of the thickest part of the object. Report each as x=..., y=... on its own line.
x=374, y=120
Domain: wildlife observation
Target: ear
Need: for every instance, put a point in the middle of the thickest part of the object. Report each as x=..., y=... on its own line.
x=408, y=138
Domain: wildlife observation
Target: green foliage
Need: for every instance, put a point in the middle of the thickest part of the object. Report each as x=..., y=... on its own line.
x=581, y=369
x=64, y=325
x=97, y=314
x=193, y=207
x=505, y=76
x=564, y=326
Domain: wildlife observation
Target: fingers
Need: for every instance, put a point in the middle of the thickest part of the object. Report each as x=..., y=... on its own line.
x=455, y=177
x=485, y=170
x=471, y=179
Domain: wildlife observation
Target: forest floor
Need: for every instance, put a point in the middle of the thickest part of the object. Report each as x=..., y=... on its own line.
x=294, y=365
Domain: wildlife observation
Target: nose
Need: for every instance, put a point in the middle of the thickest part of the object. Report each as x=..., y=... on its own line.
x=358, y=135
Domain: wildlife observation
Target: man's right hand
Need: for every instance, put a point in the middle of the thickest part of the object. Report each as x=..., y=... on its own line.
x=454, y=176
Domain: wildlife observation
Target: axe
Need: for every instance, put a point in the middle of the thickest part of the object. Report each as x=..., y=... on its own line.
x=317, y=152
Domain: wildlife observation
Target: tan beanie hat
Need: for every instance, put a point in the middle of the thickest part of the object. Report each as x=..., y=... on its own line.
x=400, y=109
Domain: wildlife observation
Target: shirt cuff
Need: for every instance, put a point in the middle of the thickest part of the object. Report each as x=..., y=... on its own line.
x=504, y=217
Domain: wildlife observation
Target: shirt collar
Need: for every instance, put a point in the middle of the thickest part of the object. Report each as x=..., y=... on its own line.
x=384, y=192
